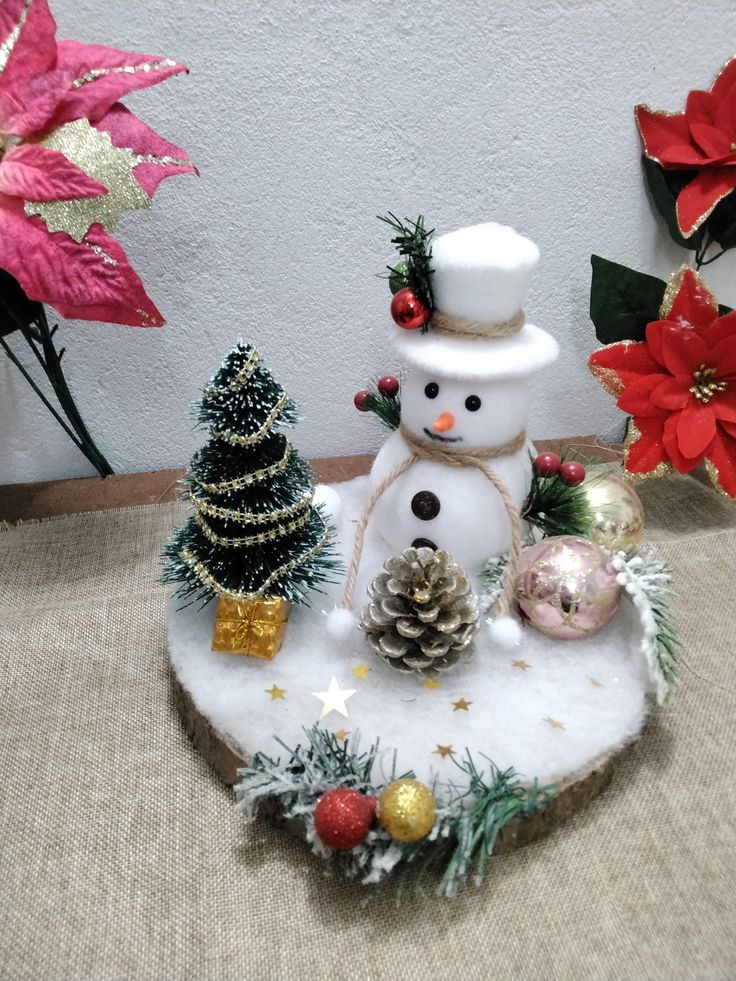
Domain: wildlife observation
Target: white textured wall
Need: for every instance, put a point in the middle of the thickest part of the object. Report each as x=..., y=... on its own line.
x=307, y=119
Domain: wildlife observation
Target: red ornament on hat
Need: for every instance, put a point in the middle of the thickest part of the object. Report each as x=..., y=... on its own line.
x=408, y=310
x=343, y=817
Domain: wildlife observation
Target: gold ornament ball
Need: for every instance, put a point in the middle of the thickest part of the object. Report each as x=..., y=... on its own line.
x=618, y=517
x=406, y=809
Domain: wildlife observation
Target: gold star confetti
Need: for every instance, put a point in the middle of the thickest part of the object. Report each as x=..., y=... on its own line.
x=430, y=683
x=594, y=682
x=275, y=692
x=461, y=705
x=521, y=664
x=553, y=723
x=342, y=734
x=333, y=700
x=443, y=751
x=361, y=671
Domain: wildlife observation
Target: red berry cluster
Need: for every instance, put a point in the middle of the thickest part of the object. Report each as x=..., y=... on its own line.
x=570, y=472
x=387, y=385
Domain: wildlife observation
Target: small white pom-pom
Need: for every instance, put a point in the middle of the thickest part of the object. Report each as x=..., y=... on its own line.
x=505, y=632
x=341, y=623
x=331, y=501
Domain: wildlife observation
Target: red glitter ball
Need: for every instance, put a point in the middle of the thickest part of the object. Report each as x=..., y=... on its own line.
x=572, y=473
x=343, y=817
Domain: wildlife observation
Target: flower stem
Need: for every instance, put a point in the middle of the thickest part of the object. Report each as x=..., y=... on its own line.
x=55, y=374
x=39, y=332
x=11, y=354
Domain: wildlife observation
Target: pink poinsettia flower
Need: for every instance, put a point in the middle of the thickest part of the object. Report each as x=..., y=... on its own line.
x=72, y=160
x=678, y=385
x=702, y=138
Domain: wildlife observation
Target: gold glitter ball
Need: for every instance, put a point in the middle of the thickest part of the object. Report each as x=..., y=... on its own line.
x=406, y=809
x=618, y=516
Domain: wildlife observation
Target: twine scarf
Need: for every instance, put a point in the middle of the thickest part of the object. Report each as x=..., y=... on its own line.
x=422, y=450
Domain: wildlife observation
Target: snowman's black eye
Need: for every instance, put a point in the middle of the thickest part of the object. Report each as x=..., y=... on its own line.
x=472, y=403
x=433, y=390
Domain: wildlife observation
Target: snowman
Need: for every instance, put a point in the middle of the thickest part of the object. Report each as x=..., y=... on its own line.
x=455, y=474
x=466, y=392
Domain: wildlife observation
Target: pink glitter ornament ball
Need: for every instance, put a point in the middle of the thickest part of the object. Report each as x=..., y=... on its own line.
x=567, y=587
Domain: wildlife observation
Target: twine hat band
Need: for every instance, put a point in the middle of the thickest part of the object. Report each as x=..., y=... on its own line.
x=475, y=330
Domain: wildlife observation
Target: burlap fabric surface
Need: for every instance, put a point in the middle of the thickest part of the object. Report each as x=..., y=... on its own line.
x=122, y=856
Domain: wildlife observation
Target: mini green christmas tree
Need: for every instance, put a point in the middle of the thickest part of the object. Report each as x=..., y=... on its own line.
x=255, y=533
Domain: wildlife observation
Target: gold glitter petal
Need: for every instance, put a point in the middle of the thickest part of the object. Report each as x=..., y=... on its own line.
x=94, y=153
x=715, y=476
x=608, y=377
x=663, y=469
x=654, y=112
x=161, y=161
x=108, y=260
x=675, y=284
x=145, y=66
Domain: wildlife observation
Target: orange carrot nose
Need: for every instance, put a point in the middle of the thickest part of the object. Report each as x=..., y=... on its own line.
x=444, y=422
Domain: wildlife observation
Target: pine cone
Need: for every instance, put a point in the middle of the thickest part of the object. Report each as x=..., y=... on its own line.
x=423, y=613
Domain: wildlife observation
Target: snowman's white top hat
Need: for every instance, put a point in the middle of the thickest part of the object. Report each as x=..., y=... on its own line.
x=481, y=275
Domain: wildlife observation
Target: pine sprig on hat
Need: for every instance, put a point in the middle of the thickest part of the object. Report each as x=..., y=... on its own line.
x=414, y=244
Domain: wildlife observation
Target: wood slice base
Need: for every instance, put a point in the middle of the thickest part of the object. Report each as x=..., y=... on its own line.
x=558, y=712
x=225, y=759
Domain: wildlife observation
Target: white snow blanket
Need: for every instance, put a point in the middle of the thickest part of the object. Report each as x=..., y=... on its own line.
x=550, y=709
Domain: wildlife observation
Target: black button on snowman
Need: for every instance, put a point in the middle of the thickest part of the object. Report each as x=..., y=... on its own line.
x=463, y=393
x=425, y=505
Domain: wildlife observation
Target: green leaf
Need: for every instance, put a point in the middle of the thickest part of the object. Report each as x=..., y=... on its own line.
x=722, y=222
x=664, y=186
x=622, y=301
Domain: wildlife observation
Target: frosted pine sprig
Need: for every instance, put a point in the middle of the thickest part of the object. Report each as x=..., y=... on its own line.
x=648, y=583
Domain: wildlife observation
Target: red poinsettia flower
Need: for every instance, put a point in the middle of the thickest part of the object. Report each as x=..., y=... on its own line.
x=679, y=385
x=72, y=161
x=703, y=138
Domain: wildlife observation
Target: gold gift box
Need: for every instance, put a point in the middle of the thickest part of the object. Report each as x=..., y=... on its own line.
x=255, y=627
